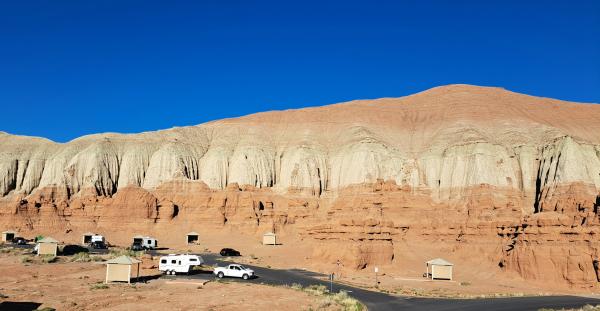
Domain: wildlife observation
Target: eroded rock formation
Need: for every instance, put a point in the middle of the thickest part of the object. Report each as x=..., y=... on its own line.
x=513, y=176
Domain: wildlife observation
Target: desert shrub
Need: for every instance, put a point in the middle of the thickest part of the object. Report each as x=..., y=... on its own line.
x=325, y=303
x=584, y=308
x=99, y=286
x=11, y=250
x=26, y=259
x=96, y=258
x=465, y=283
x=341, y=299
x=127, y=252
x=48, y=258
x=348, y=303
x=296, y=286
x=81, y=257
x=317, y=290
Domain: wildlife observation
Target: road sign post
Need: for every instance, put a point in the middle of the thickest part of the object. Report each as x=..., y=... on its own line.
x=331, y=283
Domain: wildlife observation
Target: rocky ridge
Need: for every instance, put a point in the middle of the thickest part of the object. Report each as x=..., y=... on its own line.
x=516, y=177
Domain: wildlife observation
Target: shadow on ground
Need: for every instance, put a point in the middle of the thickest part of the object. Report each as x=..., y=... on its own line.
x=19, y=306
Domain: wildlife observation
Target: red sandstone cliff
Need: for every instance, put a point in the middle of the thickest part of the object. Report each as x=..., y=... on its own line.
x=511, y=178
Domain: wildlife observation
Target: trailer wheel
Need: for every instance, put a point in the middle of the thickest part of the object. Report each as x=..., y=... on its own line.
x=245, y=277
x=220, y=275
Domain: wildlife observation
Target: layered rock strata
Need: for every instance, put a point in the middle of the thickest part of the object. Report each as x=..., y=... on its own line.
x=512, y=176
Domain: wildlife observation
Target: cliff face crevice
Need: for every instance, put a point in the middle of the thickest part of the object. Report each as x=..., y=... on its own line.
x=515, y=177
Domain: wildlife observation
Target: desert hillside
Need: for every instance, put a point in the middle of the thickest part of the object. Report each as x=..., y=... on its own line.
x=476, y=174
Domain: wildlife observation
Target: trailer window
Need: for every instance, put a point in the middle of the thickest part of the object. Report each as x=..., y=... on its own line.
x=163, y=261
x=193, y=259
x=173, y=261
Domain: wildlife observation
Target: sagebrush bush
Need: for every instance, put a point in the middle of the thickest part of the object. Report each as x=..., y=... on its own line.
x=127, y=252
x=49, y=258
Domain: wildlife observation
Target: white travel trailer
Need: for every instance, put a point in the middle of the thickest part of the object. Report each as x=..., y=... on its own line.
x=145, y=242
x=97, y=238
x=174, y=263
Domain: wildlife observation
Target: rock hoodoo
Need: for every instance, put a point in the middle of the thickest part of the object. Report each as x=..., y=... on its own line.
x=513, y=176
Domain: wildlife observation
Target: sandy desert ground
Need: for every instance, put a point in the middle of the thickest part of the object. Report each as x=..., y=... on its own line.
x=470, y=280
x=66, y=285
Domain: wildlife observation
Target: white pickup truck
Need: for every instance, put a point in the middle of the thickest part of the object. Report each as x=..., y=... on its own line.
x=234, y=270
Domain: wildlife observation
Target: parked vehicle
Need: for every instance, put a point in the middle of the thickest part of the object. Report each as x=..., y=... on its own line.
x=234, y=270
x=146, y=242
x=183, y=263
x=97, y=238
x=229, y=252
x=19, y=241
x=98, y=245
x=137, y=247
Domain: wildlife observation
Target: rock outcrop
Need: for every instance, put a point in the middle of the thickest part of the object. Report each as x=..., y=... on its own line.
x=515, y=176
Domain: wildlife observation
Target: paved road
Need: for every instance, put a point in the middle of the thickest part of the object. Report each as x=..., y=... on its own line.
x=376, y=301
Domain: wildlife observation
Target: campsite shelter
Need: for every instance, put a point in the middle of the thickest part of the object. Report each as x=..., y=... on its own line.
x=7, y=236
x=119, y=269
x=47, y=246
x=270, y=239
x=87, y=238
x=138, y=239
x=439, y=269
x=191, y=237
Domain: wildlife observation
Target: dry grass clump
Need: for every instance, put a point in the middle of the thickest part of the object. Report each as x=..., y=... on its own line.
x=48, y=258
x=584, y=308
x=341, y=299
x=85, y=257
x=116, y=252
x=99, y=286
x=12, y=251
x=443, y=293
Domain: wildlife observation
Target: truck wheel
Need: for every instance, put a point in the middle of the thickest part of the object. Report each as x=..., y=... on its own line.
x=245, y=277
x=220, y=275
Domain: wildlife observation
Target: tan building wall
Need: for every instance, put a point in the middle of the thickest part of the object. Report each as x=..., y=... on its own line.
x=6, y=237
x=47, y=249
x=441, y=272
x=269, y=240
x=118, y=273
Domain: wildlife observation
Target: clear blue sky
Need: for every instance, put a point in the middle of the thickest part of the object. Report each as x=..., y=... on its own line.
x=69, y=68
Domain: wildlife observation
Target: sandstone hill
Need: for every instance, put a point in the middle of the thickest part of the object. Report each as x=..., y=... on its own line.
x=512, y=178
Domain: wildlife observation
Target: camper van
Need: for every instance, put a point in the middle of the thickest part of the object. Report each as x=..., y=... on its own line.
x=97, y=238
x=144, y=242
x=174, y=263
